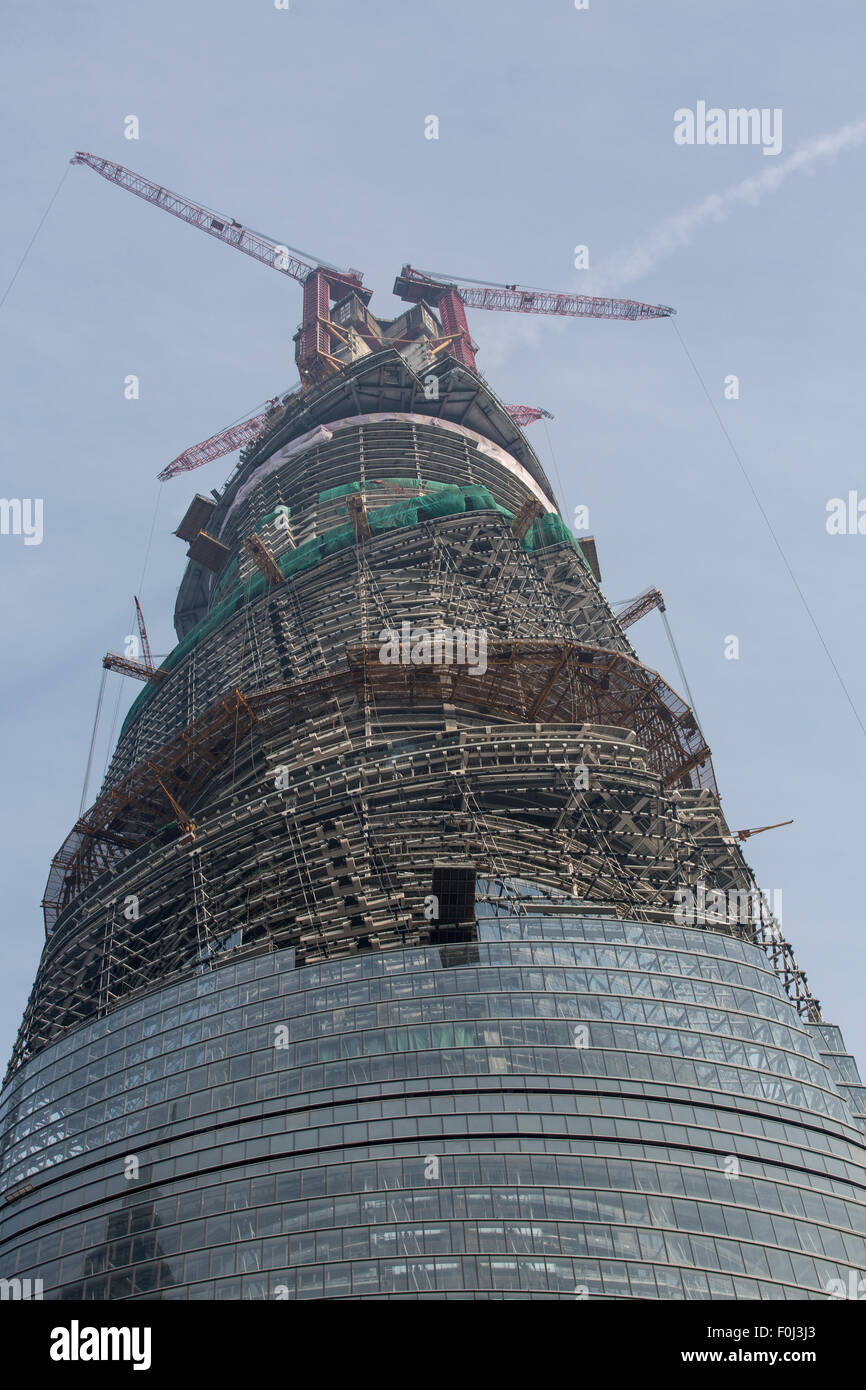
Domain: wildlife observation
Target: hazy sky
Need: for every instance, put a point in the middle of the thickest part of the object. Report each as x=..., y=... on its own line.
x=556, y=129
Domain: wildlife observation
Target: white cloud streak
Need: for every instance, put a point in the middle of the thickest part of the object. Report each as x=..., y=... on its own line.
x=679, y=230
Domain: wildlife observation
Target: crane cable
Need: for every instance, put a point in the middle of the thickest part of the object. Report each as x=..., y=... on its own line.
x=29, y=246
x=664, y=618
x=558, y=479
x=785, y=561
x=92, y=743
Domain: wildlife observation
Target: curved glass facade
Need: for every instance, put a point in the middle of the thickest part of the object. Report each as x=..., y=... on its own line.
x=567, y=1107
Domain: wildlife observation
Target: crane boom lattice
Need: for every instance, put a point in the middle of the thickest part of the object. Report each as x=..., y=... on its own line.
x=227, y=229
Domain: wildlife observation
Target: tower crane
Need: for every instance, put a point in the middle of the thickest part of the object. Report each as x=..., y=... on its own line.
x=128, y=666
x=636, y=608
x=629, y=612
x=325, y=284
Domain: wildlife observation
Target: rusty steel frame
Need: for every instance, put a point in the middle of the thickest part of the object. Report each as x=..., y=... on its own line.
x=127, y=814
x=562, y=682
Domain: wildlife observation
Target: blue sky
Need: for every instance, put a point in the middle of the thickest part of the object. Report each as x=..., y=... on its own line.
x=555, y=129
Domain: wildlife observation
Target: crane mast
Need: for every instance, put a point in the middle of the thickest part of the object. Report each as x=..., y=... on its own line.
x=142, y=633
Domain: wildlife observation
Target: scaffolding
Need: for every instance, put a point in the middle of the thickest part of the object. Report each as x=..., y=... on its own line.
x=284, y=787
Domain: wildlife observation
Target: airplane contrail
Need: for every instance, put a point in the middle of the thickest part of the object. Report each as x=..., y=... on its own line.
x=679, y=230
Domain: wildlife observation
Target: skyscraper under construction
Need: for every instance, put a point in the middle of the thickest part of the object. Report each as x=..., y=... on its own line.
x=382, y=965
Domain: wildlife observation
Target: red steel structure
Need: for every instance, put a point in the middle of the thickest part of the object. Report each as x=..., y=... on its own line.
x=225, y=442
x=527, y=414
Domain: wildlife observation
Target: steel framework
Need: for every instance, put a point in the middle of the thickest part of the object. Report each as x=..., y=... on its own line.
x=283, y=786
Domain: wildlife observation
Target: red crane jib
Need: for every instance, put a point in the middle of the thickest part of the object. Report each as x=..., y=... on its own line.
x=219, y=444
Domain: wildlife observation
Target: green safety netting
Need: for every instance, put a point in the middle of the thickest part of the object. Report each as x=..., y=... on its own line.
x=442, y=499
x=547, y=530
x=331, y=494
